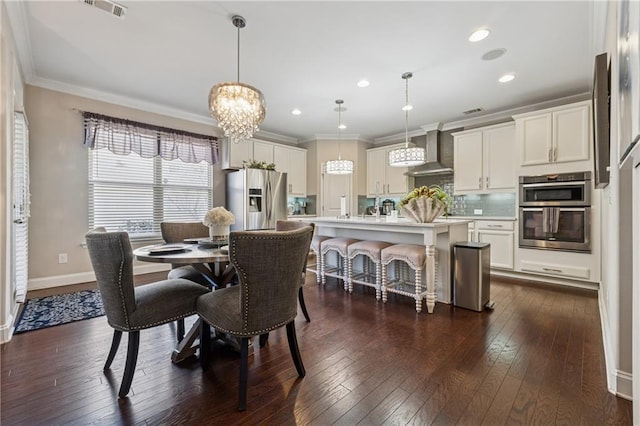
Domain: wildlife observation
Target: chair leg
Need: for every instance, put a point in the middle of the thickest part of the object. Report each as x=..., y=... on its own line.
x=115, y=343
x=205, y=344
x=244, y=371
x=263, y=339
x=180, y=329
x=293, y=347
x=302, y=305
x=130, y=365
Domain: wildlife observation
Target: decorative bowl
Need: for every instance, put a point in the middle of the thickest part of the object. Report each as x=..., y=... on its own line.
x=423, y=209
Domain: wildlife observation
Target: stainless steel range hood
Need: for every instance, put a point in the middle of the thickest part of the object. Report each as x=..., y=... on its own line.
x=433, y=166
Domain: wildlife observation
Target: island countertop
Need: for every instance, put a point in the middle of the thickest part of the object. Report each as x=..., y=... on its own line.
x=372, y=221
x=438, y=238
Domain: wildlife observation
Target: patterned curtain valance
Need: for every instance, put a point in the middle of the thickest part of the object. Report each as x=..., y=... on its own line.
x=122, y=137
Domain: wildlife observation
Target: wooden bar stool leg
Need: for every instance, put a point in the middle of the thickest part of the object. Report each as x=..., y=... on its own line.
x=418, y=291
x=384, y=283
x=378, y=282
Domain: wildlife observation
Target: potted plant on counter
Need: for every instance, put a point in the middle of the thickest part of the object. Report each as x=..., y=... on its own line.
x=425, y=204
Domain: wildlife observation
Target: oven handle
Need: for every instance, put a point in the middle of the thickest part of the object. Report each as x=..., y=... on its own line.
x=562, y=209
x=537, y=185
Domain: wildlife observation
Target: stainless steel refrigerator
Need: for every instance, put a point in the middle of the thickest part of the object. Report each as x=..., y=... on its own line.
x=257, y=198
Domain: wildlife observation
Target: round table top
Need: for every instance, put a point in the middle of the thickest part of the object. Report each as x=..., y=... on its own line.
x=188, y=254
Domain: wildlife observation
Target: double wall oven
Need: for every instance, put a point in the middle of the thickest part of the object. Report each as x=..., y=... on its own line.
x=555, y=212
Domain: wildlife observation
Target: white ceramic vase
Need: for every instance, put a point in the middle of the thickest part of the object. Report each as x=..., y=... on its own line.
x=219, y=232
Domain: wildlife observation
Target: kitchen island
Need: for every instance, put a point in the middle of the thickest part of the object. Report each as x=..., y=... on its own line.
x=438, y=238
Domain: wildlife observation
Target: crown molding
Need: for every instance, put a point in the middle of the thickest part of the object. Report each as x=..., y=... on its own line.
x=398, y=137
x=508, y=114
x=134, y=103
x=353, y=137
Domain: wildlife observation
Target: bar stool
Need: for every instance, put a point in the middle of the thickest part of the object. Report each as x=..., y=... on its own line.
x=414, y=256
x=370, y=251
x=340, y=246
x=316, y=244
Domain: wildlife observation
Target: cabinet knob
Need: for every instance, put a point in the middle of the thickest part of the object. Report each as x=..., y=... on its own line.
x=480, y=182
x=487, y=182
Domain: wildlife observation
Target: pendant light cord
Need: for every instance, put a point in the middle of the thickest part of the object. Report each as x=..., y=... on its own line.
x=406, y=113
x=339, y=124
x=238, y=80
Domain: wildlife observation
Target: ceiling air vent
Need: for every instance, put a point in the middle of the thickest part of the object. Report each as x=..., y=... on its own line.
x=472, y=111
x=110, y=7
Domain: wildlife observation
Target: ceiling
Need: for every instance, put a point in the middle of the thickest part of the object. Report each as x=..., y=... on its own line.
x=165, y=56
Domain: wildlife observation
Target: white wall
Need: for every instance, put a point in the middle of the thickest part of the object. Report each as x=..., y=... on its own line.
x=59, y=191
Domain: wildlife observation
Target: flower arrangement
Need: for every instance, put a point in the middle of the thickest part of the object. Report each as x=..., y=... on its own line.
x=424, y=204
x=219, y=216
x=253, y=164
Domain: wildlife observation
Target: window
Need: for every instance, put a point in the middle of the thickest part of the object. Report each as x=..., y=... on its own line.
x=141, y=175
x=21, y=202
x=134, y=194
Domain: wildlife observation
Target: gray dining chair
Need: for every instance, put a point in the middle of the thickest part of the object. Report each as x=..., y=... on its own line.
x=268, y=264
x=177, y=232
x=131, y=309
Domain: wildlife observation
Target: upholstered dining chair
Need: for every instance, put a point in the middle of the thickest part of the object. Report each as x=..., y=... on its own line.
x=131, y=309
x=289, y=225
x=268, y=264
x=176, y=232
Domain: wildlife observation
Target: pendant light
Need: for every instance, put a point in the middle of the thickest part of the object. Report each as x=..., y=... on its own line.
x=406, y=157
x=339, y=166
x=239, y=108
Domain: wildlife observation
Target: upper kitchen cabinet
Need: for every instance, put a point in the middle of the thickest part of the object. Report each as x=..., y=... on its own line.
x=292, y=161
x=554, y=135
x=483, y=160
x=382, y=179
x=232, y=154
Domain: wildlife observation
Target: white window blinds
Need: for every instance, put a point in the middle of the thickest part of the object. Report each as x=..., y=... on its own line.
x=21, y=204
x=135, y=190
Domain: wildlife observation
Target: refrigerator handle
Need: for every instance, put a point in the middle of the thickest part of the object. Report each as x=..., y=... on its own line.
x=269, y=203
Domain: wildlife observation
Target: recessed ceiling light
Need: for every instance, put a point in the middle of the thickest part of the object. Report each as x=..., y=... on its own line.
x=407, y=107
x=478, y=35
x=296, y=111
x=506, y=78
x=363, y=83
x=342, y=126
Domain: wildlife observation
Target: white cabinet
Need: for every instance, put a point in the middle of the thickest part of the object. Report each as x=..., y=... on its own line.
x=555, y=135
x=501, y=236
x=483, y=160
x=382, y=179
x=233, y=154
x=263, y=151
x=288, y=159
x=292, y=161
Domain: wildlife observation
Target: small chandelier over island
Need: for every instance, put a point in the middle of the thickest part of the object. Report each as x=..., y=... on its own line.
x=406, y=156
x=239, y=108
x=339, y=166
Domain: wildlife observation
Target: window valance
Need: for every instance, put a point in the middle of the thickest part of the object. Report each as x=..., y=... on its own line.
x=122, y=137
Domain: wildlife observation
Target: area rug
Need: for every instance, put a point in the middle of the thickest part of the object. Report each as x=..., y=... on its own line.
x=60, y=309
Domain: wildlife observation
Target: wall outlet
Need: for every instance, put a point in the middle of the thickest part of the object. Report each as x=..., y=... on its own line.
x=62, y=258
x=477, y=211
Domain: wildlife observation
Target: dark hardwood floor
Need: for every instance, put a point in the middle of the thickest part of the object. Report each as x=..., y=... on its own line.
x=537, y=358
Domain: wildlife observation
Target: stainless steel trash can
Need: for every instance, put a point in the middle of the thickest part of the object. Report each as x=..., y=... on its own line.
x=471, y=275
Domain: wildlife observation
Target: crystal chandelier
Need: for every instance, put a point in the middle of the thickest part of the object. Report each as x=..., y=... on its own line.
x=339, y=166
x=239, y=108
x=406, y=157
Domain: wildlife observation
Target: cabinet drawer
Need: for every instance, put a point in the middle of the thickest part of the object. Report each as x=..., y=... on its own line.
x=506, y=225
x=553, y=269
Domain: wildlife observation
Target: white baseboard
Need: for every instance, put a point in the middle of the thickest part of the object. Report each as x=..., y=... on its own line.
x=587, y=285
x=83, y=277
x=6, y=329
x=619, y=382
x=624, y=385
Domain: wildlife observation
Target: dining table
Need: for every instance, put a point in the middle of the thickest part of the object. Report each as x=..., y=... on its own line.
x=209, y=258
